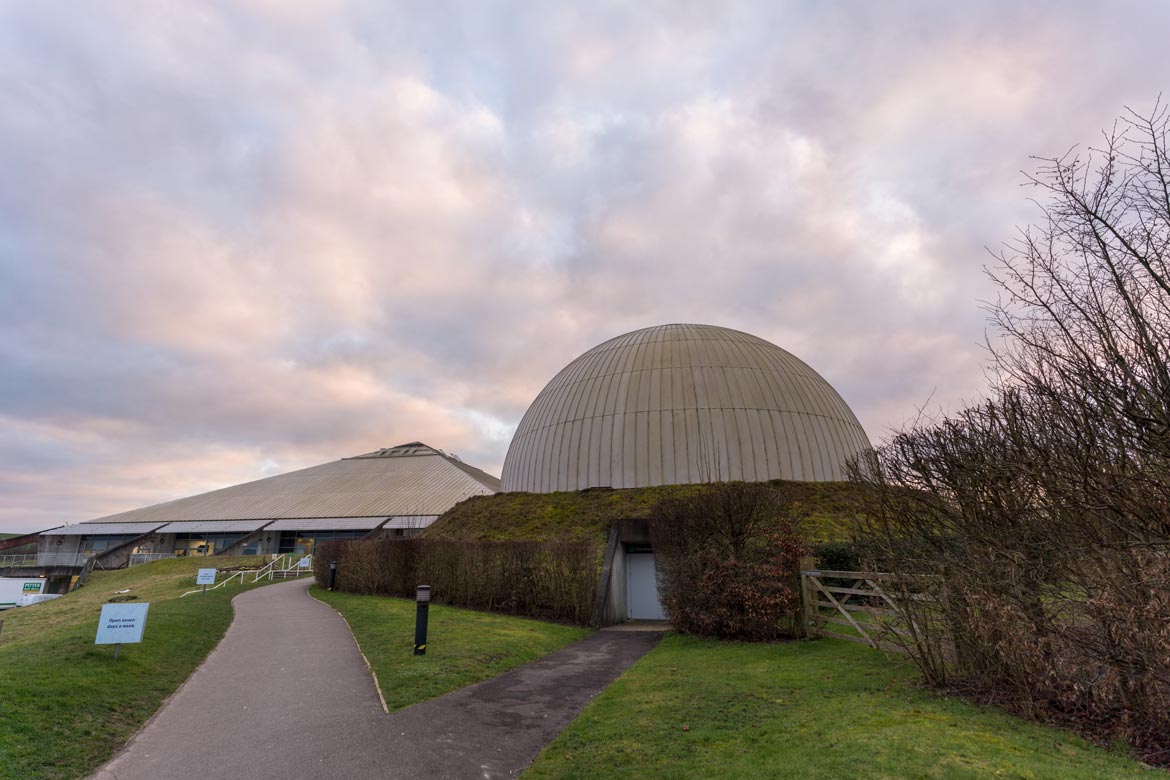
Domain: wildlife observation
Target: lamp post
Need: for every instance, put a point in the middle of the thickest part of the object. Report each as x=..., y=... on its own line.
x=423, y=599
x=332, y=574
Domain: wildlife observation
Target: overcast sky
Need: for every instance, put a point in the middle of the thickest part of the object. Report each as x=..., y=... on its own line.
x=242, y=238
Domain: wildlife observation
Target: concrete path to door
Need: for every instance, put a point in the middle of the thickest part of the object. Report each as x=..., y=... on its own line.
x=287, y=695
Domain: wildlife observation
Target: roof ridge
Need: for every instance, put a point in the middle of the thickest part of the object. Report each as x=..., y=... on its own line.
x=479, y=475
x=410, y=449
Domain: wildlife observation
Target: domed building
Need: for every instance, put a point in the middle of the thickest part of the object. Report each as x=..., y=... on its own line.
x=679, y=404
x=670, y=405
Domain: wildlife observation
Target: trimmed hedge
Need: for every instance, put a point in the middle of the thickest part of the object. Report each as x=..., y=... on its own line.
x=550, y=580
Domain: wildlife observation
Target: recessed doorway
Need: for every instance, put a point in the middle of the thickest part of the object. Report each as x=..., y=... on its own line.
x=642, y=587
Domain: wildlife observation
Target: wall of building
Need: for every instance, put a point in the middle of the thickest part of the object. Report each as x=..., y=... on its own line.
x=616, y=602
x=64, y=545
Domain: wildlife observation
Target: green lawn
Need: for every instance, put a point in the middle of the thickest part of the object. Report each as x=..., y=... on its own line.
x=65, y=705
x=463, y=646
x=825, y=710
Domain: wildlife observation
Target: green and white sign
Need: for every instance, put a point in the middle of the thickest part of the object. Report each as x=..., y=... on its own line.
x=34, y=587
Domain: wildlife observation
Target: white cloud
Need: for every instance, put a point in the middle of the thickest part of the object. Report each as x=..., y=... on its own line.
x=248, y=237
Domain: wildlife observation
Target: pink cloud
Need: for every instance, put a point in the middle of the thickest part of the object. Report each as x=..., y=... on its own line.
x=246, y=238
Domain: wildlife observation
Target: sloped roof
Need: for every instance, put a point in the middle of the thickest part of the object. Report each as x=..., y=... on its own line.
x=211, y=527
x=327, y=524
x=102, y=528
x=411, y=479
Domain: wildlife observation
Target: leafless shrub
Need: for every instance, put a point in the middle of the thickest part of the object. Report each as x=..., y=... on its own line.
x=1039, y=522
x=728, y=562
x=553, y=580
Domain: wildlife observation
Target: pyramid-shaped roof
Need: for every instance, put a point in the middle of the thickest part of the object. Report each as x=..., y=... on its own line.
x=410, y=479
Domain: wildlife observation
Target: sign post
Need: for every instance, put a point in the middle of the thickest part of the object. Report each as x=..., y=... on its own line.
x=121, y=623
x=205, y=577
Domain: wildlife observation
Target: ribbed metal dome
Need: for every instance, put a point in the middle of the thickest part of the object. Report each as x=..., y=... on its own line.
x=677, y=404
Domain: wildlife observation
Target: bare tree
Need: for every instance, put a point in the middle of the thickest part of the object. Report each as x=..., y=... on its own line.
x=1040, y=520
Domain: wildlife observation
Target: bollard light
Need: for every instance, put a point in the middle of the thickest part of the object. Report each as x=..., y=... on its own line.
x=423, y=599
x=332, y=574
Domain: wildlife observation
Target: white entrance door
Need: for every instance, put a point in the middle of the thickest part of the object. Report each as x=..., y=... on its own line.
x=642, y=588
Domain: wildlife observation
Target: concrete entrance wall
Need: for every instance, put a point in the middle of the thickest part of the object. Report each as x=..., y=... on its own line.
x=621, y=588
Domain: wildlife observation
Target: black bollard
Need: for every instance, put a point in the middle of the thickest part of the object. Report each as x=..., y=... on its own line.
x=423, y=597
x=332, y=574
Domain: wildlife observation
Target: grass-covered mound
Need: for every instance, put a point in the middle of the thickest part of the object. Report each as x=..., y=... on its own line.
x=827, y=511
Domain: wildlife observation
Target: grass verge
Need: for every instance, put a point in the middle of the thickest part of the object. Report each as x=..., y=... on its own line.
x=65, y=705
x=826, y=710
x=463, y=646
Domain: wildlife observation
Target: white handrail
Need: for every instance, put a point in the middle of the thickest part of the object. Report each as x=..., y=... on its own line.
x=266, y=571
x=286, y=561
x=217, y=585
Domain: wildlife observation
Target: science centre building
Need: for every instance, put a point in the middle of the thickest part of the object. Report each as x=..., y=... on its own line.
x=671, y=404
x=677, y=404
x=680, y=404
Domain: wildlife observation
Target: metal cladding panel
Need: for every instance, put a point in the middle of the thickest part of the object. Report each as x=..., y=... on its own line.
x=677, y=404
x=90, y=529
x=326, y=524
x=416, y=521
x=212, y=527
x=414, y=483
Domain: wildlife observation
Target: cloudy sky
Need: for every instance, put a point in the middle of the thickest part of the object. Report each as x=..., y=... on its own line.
x=242, y=238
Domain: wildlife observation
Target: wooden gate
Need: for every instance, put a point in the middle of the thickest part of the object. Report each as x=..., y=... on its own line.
x=854, y=600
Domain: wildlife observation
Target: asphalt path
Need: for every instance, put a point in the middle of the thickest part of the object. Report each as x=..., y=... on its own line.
x=287, y=695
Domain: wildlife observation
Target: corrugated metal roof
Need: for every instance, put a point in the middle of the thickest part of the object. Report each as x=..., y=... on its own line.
x=327, y=524
x=212, y=527
x=412, y=521
x=88, y=529
x=676, y=404
x=418, y=484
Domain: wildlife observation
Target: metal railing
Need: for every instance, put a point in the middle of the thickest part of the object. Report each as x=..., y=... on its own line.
x=71, y=559
x=45, y=559
x=137, y=558
x=280, y=565
x=284, y=565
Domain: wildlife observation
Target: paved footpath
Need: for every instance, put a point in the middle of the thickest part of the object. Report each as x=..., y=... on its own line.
x=287, y=695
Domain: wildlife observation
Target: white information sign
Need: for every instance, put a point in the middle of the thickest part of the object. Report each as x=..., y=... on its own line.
x=304, y=563
x=205, y=577
x=121, y=624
